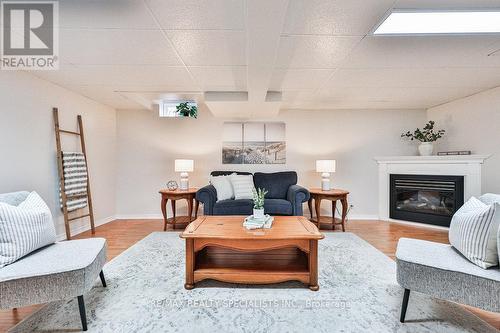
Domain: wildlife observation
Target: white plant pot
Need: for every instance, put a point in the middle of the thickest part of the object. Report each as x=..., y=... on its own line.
x=426, y=148
x=258, y=213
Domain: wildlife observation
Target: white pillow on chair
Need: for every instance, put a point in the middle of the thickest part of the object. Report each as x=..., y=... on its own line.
x=25, y=228
x=490, y=199
x=223, y=187
x=474, y=232
x=243, y=186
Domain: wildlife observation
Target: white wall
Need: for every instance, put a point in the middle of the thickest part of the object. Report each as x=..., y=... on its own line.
x=147, y=147
x=27, y=142
x=131, y=152
x=473, y=123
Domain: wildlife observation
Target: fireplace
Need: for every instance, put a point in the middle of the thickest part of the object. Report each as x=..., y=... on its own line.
x=428, y=199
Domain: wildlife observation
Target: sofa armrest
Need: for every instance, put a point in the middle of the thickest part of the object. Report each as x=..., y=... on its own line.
x=208, y=197
x=297, y=195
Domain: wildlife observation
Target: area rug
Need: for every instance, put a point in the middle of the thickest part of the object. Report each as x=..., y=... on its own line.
x=358, y=293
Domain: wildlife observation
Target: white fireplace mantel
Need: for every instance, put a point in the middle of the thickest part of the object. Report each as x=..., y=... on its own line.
x=468, y=166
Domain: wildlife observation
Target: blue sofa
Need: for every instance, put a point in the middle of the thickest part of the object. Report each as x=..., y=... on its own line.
x=284, y=196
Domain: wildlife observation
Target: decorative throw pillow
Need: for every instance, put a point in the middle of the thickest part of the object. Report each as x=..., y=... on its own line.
x=223, y=187
x=25, y=228
x=242, y=186
x=490, y=199
x=474, y=232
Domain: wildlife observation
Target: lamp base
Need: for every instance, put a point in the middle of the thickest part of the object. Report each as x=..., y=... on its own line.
x=184, y=185
x=325, y=181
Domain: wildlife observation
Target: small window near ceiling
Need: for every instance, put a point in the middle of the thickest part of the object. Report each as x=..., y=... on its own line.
x=178, y=109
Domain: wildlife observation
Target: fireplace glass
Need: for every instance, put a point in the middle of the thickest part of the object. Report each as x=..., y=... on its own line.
x=426, y=198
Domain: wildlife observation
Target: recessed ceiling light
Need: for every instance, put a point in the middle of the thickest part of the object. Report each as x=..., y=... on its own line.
x=440, y=22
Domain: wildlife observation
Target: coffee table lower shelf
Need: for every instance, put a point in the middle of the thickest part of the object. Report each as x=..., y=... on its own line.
x=252, y=267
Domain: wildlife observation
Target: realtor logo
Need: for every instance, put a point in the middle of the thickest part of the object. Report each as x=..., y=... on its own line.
x=29, y=35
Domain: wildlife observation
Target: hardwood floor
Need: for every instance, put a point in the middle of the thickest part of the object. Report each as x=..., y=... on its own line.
x=121, y=234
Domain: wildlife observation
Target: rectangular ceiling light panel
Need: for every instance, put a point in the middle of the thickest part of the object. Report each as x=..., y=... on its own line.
x=440, y=22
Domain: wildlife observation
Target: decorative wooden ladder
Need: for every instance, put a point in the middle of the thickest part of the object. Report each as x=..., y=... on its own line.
x=64, y=197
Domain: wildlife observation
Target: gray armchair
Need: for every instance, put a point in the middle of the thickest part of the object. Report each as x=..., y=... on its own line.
x=284, y=196
x=60, y=271
x=440, y=271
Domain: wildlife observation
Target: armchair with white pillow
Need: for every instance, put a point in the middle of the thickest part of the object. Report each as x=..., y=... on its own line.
x=36, y=269
x=466, y=271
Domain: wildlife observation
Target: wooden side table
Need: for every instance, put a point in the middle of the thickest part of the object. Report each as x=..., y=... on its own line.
x=173, y=196
x=333, y=195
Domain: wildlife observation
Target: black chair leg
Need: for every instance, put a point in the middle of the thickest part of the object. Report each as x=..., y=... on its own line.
x=83, y=314
x=103, y=280
x=406, y=297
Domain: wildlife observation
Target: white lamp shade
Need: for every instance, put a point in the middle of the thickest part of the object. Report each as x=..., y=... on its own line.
x=184, y=165
x=325, y=166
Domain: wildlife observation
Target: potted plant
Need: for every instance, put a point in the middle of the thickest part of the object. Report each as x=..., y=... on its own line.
x=427, y=136
x=258, y=203
x=186, y=110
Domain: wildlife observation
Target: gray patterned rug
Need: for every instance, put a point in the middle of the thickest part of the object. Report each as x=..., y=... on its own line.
x=358, y=293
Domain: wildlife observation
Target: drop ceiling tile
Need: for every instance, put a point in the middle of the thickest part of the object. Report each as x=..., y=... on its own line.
x=210, y=48
x=105, y=46
x=411, y=77
x=105, y=95
x=154, y=97
x=291, y=97
x=341, y=17
x=221, y=78
x=427, y=51
x=177, y=78
x=204, y=14
x=109, y=14
x=373, y=98
x=298, y=79
x=314, y=51
x=392, y=97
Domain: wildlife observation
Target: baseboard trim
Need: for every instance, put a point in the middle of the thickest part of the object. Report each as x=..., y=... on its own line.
x=80, y=229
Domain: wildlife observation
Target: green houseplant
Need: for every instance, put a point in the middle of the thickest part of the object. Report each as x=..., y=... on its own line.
x=186, y=110
x=426, y=136
x=258, y=202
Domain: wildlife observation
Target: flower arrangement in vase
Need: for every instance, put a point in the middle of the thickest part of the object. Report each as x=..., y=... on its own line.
x=427, y=136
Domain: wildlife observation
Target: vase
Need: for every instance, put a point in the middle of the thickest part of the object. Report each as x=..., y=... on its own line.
x=426, y=148
x=258, y=213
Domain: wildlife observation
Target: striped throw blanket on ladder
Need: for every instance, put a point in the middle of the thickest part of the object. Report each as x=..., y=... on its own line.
x=75, y=180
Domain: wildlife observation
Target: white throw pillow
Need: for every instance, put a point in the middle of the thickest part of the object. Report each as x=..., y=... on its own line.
x=242, y=186
x=25, y=228
x=490, y=199
x=223, y=187
x=474, y=232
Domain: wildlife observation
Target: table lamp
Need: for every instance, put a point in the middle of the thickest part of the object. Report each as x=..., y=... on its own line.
x=184, y=166
x=325, y=167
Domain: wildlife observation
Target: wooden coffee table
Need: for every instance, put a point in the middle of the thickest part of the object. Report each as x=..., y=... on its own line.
x=220, y=248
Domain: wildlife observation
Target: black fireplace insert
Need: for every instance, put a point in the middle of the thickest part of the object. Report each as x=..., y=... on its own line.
x=428, y=199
